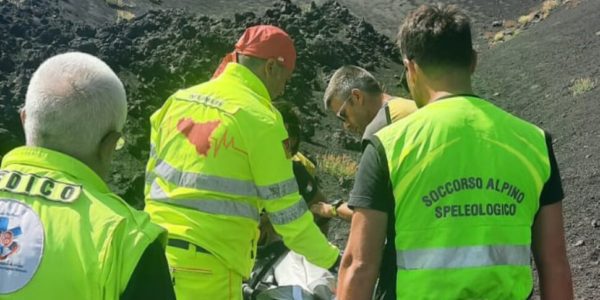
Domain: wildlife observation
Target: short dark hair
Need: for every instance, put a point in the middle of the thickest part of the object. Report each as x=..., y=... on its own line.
x=437, y=36
x=347, y=78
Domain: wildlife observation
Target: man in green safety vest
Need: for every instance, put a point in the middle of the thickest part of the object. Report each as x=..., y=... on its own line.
x=474, y=190
x=63, y=233
x=359, y=101
x=220, y=156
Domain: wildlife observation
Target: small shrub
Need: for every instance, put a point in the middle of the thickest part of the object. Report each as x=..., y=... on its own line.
x=582, y=85
x=123, y=15
x=499, y=37
x=340, y=166
x=526, y=19
x=547, y=6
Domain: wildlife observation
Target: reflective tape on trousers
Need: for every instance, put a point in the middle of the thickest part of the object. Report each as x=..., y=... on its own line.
x=218, y=207
x=221, y=184
x=289, y=214
x=463, y=257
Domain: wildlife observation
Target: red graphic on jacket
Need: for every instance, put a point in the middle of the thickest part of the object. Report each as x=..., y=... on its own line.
x=198, y=134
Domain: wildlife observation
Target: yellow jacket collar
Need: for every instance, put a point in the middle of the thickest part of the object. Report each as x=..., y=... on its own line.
x=52, y=160
x=243, y=75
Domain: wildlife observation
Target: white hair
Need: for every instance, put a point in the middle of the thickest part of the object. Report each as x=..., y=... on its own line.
x=73, y=101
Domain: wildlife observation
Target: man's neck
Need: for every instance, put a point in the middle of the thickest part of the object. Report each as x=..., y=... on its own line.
x=439, y=90
x=385, y=98
x=89, y=160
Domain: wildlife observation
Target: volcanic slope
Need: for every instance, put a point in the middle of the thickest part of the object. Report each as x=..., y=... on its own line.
x=540, y=75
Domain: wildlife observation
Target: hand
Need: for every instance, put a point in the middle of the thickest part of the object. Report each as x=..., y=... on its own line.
x=322, y=209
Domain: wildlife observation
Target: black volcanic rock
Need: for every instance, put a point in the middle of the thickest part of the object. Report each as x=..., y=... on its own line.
x=163, y=51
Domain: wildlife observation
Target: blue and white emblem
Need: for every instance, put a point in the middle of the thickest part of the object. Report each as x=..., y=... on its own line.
x=21, y=245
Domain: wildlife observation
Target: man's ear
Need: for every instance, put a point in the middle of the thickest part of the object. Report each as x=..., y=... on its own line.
x=23, y=115
x=270, y=66
x=359, y=96
x=108, y=145
x=411, y=68
x=473, y=62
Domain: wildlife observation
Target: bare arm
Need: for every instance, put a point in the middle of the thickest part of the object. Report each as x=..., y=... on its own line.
x=550, y=253
x=360, y=265
x=325, y=210
x=285, y=208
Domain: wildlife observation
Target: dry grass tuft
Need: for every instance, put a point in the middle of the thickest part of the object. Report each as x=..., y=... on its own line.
x=498, y=37
x=582, y=86
x=512, y=28
x=524, y=20
x=548, y=6
x=123, y=15
x=341, y=166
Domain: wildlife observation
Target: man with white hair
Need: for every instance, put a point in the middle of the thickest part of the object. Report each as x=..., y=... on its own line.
x=55, y=205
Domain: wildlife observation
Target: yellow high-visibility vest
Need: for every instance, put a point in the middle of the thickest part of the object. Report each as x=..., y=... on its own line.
x=467, y=179
x=218, y=158
x=63, y=234
x=398, y=108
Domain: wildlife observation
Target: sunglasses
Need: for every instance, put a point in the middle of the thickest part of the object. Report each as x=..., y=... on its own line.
x=341, y=113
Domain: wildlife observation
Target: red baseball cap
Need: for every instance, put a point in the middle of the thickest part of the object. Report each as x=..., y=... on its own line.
x=263, y=41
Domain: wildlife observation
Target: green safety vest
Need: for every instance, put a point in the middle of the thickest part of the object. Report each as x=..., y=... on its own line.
x=63, y=234
x=218, y=159
x=467, y=179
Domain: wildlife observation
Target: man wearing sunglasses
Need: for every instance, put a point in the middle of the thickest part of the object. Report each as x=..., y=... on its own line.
x=358, y=100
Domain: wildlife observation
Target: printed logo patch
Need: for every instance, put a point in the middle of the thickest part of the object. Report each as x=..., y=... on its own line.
x=34, y=185
x=201, y=136
x=21, y=245
x=198, y=133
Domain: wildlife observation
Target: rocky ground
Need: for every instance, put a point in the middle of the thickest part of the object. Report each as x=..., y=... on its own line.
x=538, y=75
x=163, y=51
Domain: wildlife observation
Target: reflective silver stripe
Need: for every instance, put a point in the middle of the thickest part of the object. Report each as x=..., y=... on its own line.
x=153, y=151
x=223, y=185
x=463, y=257
x=150, y=178
x=156, y=192
x=218, y=207
x=149, y=174
x=205, y=182
x=220, y=184
x=278, y=190
x=289, y=214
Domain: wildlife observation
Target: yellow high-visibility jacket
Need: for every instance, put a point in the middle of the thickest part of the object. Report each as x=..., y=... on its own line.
x=64, y=235
x=218, y=158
